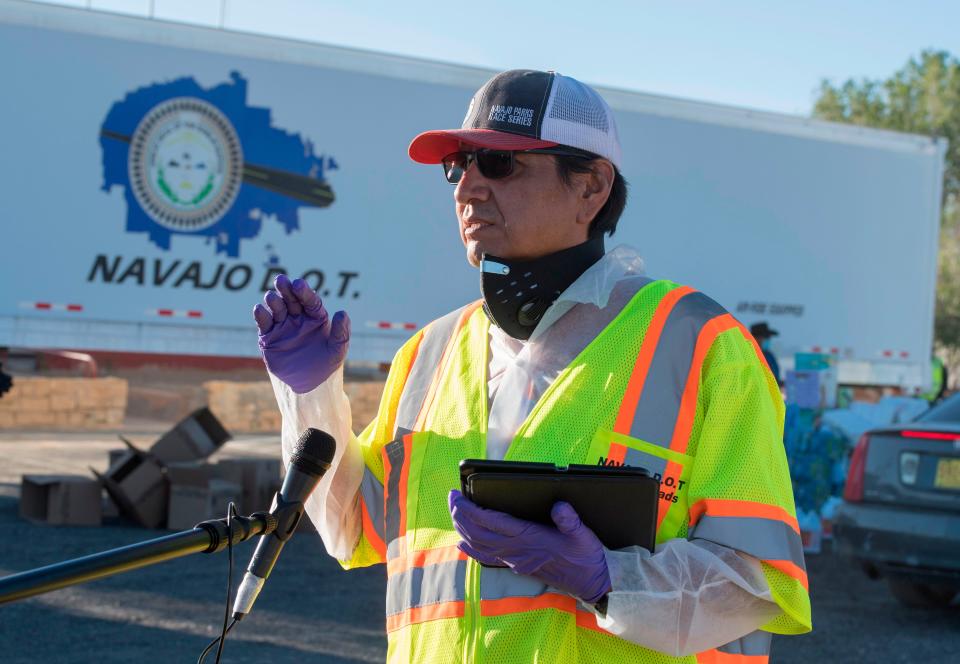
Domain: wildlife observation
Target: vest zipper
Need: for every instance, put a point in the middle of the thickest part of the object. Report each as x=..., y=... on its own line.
x=471, y=595
x=471, y=613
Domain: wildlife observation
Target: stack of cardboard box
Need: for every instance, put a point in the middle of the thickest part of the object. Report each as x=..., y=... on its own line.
x=172, y=484
x=200, y=491
x=60, y=500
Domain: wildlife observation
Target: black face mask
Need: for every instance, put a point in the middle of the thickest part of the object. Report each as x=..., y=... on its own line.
x=516, y=294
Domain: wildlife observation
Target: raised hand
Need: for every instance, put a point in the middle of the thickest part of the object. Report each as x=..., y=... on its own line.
x=300, y=344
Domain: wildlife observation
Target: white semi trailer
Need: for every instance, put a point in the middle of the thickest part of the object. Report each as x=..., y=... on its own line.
x=156, y=175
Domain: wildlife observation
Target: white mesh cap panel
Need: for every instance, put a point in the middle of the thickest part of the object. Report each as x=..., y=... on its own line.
x=579, y=117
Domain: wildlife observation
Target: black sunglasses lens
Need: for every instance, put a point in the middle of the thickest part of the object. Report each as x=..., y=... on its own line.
x=495, y=164
x=453, y=167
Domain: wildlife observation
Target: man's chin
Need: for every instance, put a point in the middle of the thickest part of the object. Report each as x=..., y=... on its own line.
x=474, y=253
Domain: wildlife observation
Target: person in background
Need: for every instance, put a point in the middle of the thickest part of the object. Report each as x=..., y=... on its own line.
x=763, y=333
x=938, y=381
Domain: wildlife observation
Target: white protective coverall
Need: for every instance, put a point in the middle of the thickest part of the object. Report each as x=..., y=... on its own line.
x=688, y=597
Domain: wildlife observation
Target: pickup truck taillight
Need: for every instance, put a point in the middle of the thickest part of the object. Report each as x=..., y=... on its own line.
x=853, y=491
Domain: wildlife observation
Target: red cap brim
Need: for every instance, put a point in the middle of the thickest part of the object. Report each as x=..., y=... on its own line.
x=431, y=147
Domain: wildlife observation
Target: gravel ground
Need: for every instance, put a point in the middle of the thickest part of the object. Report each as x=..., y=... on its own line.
x=309, y=611
x=312, y=611
x=856, y=619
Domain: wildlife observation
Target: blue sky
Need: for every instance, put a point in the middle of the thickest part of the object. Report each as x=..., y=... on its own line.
x=767, y=55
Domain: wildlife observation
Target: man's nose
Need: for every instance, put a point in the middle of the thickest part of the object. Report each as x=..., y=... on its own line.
x=472, y=186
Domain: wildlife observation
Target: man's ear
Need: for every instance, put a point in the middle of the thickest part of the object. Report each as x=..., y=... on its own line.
x=595, y=189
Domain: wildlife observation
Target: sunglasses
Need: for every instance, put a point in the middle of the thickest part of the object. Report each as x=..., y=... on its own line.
x=494, y=164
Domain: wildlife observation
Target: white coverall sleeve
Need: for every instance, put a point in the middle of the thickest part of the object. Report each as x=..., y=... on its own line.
x=333, y=507
x=688, y=597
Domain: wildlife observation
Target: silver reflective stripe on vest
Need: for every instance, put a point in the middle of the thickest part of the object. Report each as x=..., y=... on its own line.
x=435, y=339
x=393, y=548
x=755, y=644
x=501, y=582
x=637, y=459
x=372, y=492
x=430, y=584
x=658, y=408
x=766, y=539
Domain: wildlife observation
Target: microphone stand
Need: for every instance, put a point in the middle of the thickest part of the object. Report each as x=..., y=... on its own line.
x=206, y=537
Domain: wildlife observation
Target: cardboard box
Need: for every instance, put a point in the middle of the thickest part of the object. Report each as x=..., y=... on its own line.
x=804, y=389
x=61, y=500
x=196, y=437
x=138, y=486
x=109, y=508
x=813, y=383
x=114, y=456
x=195, y=473
x=259, y=477
x=192, y=503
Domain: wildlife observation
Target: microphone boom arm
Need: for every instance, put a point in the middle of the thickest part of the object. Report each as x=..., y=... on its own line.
x=206, y=537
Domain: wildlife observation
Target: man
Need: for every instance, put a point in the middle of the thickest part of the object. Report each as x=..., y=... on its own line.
x=571, y=355
x=764, y=334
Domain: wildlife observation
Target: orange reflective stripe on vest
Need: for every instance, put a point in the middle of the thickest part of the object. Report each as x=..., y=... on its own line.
x=720, y=657
x=684, y=325
x=422, y=366
x=425, y=367
x=763, y=531
x=460, y=322
x=504, y=592
x=371, y=510
x=423, y=558
x=436, y=595
x=396, y=467
x=709, y=329
x=753, y=648
x=430, y=592
x=631, y=398
x=672, y=363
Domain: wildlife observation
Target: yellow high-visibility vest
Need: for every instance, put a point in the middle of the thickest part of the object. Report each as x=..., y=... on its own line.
x=673, y=384
x=937, y=377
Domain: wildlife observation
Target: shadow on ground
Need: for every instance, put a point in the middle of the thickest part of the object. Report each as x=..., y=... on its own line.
x=312, y=611
x=309, y=611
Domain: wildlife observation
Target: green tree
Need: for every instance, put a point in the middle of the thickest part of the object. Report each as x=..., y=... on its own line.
x=921, y=98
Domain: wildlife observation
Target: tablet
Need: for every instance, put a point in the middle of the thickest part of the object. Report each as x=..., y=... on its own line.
x=618, y=503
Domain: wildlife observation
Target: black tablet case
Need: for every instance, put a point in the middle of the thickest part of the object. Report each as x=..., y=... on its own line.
x=619, y=504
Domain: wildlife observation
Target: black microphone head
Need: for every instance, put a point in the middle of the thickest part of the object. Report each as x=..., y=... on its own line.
x=313, y=452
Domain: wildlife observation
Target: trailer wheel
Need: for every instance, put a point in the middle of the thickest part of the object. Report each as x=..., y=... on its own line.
x=921, y=595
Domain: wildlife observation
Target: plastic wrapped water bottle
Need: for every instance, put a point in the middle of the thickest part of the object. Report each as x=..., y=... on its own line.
x=811, y=531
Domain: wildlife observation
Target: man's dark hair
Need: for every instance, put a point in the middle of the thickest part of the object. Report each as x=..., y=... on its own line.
x=608, y=216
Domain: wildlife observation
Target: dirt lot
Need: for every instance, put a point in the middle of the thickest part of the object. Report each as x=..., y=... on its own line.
x=310, y=610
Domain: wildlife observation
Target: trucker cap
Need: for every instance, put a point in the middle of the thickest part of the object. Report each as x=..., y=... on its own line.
x=522, y=109
x=762, y=331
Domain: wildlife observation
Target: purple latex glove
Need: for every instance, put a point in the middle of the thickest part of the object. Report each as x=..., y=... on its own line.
x=569, y=557
x=300, y=344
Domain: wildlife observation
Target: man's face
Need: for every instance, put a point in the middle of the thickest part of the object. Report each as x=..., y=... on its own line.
x=528, y=214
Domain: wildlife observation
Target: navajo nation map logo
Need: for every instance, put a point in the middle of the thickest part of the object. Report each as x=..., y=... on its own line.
x=185, y=169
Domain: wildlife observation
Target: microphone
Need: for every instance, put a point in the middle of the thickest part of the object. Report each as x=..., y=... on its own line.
x=310, y=460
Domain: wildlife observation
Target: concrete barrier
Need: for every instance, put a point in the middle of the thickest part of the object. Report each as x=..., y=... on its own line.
x=37, y=402
x=250, y=407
